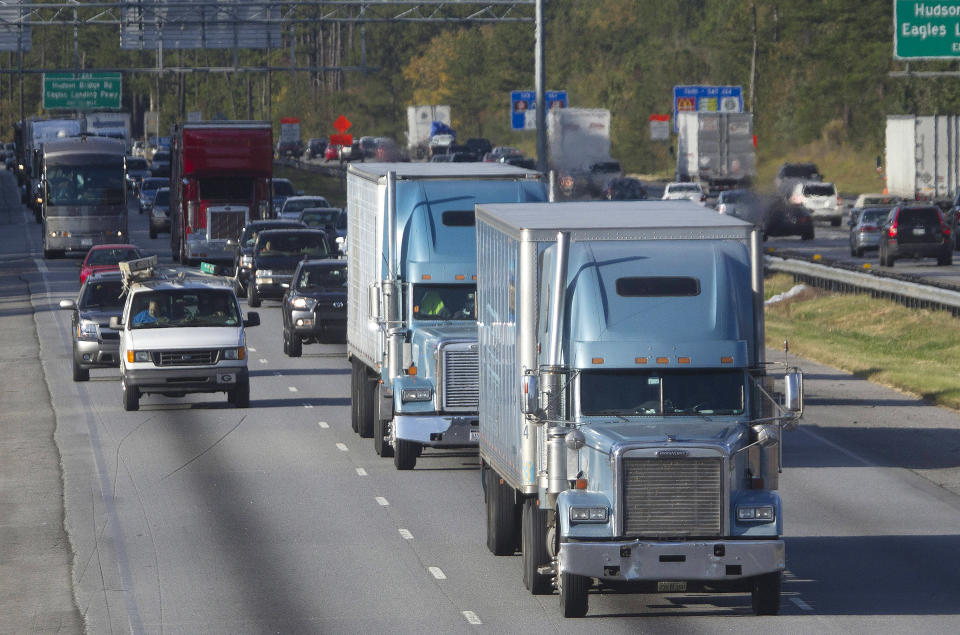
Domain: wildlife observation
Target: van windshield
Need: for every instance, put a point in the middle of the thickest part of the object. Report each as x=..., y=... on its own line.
x=183, y=308
x=662, y=392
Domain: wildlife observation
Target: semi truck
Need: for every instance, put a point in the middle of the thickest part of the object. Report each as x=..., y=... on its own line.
x=411, y=321
x=578, y=149
x=629, y=434
x=716, y=149
x=419, y=122
x=220, y=179
x=923, y=156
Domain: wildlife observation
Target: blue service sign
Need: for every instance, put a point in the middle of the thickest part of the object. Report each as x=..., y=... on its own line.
x=523, y=107
x=706, y=99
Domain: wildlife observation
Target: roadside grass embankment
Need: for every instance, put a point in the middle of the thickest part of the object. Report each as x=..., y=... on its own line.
x=852, y=170
x=313, y=182
x=912, y=350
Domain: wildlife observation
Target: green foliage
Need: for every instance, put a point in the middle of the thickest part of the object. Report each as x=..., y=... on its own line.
x=817, y=62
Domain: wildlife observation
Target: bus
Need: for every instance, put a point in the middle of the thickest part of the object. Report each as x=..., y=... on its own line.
x=84, y=194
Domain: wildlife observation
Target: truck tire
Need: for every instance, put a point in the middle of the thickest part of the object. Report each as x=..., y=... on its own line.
x=501, y=516
x=240, y=396
x=405, y=454
x=573, y=594
x=80, y=373
x=368, y=393
x=130, y=396
x=533, y=547
x=253, y=298
x=765, y=594
x=381, y=443
x=355, y=395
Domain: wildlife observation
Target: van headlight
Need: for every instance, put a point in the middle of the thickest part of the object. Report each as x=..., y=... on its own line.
x=756, y=513
x=589, y=514
x=234, y=353
x=138, y=356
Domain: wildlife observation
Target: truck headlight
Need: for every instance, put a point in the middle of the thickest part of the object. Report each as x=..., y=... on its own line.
x=756, y=513
x=589, y=514
x=87, y=330
x=416, y=394
x=138, y=356
x=234, y=353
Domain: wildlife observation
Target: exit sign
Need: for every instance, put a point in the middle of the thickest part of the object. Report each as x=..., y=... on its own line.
x=924, y=30
x=83, y=91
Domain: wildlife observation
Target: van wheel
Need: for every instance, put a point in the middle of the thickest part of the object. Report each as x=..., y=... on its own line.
x=573, y=594
x=80, y=373
x=240, y=396
x=130, y=395
x=501, y=515
x=253, y=298
x=765, y=594
x=533, y=546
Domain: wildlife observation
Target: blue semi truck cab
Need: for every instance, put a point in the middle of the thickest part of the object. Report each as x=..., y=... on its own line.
x=629, y=435
x=411, y=317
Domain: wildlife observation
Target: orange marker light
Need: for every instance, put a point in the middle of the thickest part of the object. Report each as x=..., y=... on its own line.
x=663, y=360
x=640, y=360
x=597, y=360
x=581, y=483
x=683, y=360
x=412, y=370
x=459, y=276
x=425, y=276
x=726, y=360
x=129, y=357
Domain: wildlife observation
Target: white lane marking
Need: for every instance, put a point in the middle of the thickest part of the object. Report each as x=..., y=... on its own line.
x=405, y=534
x=252, y=349
x=41, y=265
x=437, y=573
x=308, y=407
x=472, y=618
x=801, y=604
x=838, y=448
x=263, y=360
x=292, y=388
x=323, y=424
x=383, y=502
x=361, y=471
x=342, y=447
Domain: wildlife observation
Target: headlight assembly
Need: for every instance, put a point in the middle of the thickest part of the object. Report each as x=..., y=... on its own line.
x=264, y=273
x=416, y=394
x=756, y=513
x=87, y=330
x=589, y=514
x=304, y=304
x=138, y=356
x=234, y=353
x=246, y=261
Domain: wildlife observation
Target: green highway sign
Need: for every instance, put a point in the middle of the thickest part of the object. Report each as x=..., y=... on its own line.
x=83, y=91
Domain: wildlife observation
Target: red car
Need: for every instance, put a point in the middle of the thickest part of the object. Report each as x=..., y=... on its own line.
x=107, y=258
x=332, y=153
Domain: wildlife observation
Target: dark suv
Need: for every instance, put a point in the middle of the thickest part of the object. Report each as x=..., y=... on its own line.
x=243, y=246
x=315, y=305
x=276, y=255
x=920, y=232
x=790, y=174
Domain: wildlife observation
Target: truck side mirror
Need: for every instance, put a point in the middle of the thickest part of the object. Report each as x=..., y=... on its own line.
x=793, y=396
x=375, y=311
x=530, y=395
x=116, y=323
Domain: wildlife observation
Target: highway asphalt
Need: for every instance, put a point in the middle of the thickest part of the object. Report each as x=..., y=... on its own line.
x=190, y=516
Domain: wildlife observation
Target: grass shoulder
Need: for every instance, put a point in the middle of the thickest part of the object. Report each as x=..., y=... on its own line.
x=914, y=351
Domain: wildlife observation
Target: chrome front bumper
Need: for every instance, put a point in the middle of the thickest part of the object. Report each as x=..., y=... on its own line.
x=438, y=431
x=638, y=560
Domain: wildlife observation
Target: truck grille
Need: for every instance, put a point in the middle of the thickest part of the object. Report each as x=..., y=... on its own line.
x=672, y=498
x=461, y=378
x=186, y=358
x=226, y=224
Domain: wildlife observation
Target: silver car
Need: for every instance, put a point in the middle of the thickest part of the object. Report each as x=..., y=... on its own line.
x=865, y=229
x=95, y=344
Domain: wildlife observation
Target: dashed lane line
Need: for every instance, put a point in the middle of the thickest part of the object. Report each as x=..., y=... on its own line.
x=405, y=534
x=323, y=424
x=361, y=471
x=343, y=447
x=472, y=618
x=437, y=573
x=383, y=502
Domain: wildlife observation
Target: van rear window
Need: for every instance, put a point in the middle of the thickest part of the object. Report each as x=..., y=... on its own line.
x=458, y=218
x=657, y=287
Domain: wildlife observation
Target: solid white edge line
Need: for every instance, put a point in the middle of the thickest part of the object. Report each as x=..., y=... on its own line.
x=437, y=573
x=383, y=502
x=472, y=618
x=801, y=604
x=308, y=406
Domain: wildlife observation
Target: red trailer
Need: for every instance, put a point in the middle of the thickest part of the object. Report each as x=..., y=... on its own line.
x=220, y=177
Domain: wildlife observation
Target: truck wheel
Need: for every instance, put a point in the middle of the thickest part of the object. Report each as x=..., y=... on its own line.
x=534, y=548
x=153, y=233
x=573, y=594
x=381, y=444
x=355, y=395
x=80, y=373
x=130, y=396
x=253, y=298
x=405, y=454
x=240, y=396
x=295, y=347
x=368, y=392
x=501, y=516
x=765, y=593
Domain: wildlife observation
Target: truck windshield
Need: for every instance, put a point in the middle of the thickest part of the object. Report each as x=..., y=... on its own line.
x=183, y=308
x=85, y=185
x=444, y=302
x=662, y=392
x=224, y=189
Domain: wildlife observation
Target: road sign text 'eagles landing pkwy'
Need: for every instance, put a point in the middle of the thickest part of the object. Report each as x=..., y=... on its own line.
x=926, y=30
x=85, y=91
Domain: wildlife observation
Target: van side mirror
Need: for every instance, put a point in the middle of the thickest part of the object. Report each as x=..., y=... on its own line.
x=116, y=323
x=530, y=394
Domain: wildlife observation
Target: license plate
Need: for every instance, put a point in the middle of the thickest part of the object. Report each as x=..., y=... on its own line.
x=919, y=231
x=474, y=435
x=86, y=242
x=671, y=587
x=226, y=378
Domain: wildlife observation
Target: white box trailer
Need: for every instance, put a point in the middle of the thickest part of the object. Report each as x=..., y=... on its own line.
x=716, y=149
x=923, y=156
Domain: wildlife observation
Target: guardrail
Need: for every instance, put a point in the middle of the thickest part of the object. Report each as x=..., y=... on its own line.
x=910, y=294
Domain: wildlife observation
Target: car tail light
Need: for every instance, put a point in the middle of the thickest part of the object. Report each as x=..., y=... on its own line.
x=944, y=229
x=868, y=229
x=839, y=202
x=796, y=199
x=892, y=232
x=703, y=197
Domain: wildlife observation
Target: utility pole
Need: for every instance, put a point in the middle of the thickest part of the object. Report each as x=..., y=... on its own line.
x=541, y=96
